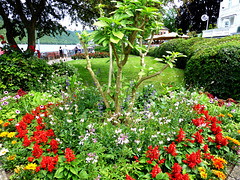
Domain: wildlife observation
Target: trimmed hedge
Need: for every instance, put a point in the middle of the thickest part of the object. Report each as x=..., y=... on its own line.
x=216, y=67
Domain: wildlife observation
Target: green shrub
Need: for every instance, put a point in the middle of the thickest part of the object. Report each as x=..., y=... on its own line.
x=177, y=45
x=64, y=69
x=18, y=72
x=216, y=67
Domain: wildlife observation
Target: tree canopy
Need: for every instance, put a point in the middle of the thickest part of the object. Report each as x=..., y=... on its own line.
x=36, y=18
x=189, y=14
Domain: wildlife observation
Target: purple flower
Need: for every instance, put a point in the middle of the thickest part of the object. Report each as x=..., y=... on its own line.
x=216, y=98
x=233, y=110
x=0, y=108
x=5, y=92
x=229, y=104
x=17, y=111
x=5, y=103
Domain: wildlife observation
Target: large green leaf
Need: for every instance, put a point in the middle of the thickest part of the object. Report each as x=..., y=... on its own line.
x=114, y=39
x=132, y=29
x=101, y=24
x=59, y=173
x=73, y=170
x=118, y=34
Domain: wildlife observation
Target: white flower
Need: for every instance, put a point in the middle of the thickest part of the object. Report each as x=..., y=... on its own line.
x=168, y=139
x=70, y=113
x=3, y=151
x=138, y=149
x=69, y=120
x=137, y=141
x=82, y=120
x=104, y=124
x=17, y=112
x=118, y=131
x=160, y=142
x=154, y=136
x=134, y=129
x=61, y=108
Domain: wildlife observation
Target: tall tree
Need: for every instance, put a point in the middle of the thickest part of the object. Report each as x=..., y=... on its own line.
x=189, y=14
x=26, y=17
x=169, y=20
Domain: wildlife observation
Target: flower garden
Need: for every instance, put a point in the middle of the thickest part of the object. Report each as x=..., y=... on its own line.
x=53, y=126
x=179, y=135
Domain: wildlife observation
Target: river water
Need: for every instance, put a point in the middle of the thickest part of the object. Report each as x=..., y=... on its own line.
x=49, y=47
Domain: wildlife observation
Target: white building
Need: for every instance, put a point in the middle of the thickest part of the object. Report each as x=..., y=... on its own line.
x=228, y=21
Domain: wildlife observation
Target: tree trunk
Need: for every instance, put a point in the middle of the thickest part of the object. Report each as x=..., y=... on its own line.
x=118, y=87
x=110, y=68
x=31, y=35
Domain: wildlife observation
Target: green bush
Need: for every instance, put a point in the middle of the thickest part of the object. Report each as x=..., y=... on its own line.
x=17, y=72
x=64, y=69
x=216, y=67
x=91, y=55
x=177, y=45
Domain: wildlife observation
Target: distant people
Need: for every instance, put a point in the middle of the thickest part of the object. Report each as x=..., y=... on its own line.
x=65, y=52
x=61, y=52
x=76, y=50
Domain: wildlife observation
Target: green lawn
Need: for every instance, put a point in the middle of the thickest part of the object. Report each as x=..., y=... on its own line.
x=130, y=71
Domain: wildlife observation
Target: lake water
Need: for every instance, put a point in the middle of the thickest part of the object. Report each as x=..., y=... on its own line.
x=48, y=47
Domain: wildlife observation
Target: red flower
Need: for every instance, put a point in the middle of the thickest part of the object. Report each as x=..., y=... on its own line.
x=136, y=158
x=220, y=140
x=193, y=159
x=37, y=152
x=10, y=119
x=218, y=147
x=180, y=136
x=20, y=92
x=26, y=141
x=208, y=156
x=129, y=177
x=155, y=171
x=171, y=149
x=198, y=122
x=69, y=155
x=153, y=153
x=205, y=148
x=32, y=47
x=3, y=42
x=38, y=168
x=54, y=146
x=161, y=161
x=49, y=162
x=14, y=46
x=1, y=36
x=30, y=159
x=198, y=138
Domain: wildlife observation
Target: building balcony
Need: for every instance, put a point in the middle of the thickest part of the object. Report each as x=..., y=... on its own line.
x=221, y=32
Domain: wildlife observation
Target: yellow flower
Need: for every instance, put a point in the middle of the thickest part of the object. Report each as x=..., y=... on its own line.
x=1, y=121
x=11, y=134
x=11, y=157
x=230, y=115
x=203, y=175
x=219, y=174
x=3, y=134
x=233, y=140
x=238, y=131
x=17, y=169
x=31, y=166
x=14, y=142
x=201, y=169
x=221, y=115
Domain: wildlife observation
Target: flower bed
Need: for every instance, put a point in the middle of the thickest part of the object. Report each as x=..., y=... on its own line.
x=167, y=137
x=91, y=55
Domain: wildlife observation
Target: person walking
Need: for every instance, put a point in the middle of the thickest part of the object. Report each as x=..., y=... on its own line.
x=61, y=52
x=76, y=50
x=65, y=53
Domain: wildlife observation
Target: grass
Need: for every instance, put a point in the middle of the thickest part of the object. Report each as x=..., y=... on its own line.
x=101, y=67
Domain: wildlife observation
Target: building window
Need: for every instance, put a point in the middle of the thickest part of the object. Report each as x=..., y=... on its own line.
x=227, y=24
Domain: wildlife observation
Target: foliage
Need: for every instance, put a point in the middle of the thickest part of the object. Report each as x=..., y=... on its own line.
x=18, y=72
x=216, y=68
x=169, y=20
x=91, y=55
x=189, y=15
